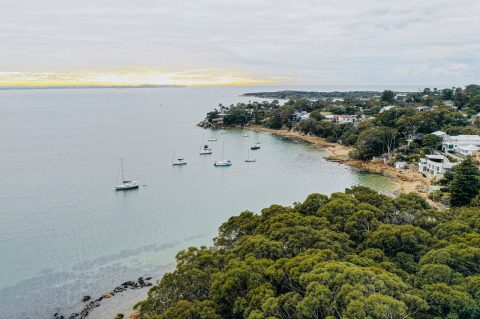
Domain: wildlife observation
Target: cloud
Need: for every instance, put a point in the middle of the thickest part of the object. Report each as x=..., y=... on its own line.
x=189, y=77
x=315, y=42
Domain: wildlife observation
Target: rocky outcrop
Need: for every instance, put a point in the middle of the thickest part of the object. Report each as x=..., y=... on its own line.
x=92, y=304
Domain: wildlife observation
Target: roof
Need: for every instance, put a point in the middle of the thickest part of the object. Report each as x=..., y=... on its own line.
x=439, y=133
x=440, y=157
x=465, y=137
x=469, y=147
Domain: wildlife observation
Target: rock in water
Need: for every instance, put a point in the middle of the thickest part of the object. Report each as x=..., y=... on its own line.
x=86, y=298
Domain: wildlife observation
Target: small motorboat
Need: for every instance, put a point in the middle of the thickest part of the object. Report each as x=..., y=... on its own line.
x=179, y=161
x=212, y=139
x=255, y=147
x=205, y=150
x=223, y=163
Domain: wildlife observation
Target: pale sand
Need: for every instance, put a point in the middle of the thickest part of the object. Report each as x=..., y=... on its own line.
x=407, y=181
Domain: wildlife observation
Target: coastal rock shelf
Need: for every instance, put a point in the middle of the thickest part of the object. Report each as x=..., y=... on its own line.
x=92, y=304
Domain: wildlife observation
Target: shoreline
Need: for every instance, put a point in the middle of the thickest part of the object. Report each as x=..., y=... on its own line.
x=407, y=181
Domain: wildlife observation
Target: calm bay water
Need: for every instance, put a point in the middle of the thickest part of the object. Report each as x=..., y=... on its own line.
x=65, y=233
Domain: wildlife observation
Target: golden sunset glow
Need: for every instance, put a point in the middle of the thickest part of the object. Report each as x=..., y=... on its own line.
x=198, y=77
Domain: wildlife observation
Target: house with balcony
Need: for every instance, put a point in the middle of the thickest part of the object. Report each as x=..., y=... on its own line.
x=435, y=165
x=451, y=143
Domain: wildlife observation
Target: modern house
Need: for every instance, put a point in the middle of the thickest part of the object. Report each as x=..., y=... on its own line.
x=467, y=150
x=451, y=143
x=300, y=116
x=434, y=165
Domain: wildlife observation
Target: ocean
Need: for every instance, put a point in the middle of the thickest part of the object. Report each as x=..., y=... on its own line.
x=65, y=232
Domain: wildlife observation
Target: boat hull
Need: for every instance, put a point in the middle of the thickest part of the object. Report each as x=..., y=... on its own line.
x=125, y=187
x=222, y=163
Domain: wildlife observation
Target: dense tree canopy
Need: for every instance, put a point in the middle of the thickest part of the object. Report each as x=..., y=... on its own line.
x=353, y=255
x=465, y=184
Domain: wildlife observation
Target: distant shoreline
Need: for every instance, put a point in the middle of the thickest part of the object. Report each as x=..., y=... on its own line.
x=92, y=87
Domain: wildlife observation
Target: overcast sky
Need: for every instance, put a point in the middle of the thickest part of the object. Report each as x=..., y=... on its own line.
x=351, y=42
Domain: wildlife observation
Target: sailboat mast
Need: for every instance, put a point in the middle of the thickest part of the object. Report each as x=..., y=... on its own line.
x=175, y=151
x=123, y=178
x=201, y=142
x=223, y=147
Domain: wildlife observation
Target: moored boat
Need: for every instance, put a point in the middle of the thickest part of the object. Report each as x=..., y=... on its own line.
x=126, y=184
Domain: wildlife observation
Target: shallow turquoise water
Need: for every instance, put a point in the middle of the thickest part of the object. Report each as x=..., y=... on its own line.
x=65, y=233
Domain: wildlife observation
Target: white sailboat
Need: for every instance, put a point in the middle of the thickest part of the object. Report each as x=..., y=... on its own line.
x=250, y=160
x=179, y=161
x=126, y=184
x=245, y=134
x=223, y=162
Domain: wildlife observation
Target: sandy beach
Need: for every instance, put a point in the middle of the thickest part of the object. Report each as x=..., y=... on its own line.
x=409, y=180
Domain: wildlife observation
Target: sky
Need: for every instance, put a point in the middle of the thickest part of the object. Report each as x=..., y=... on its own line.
x=224, y=42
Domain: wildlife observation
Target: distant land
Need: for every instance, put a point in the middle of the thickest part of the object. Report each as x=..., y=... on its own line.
x=287, y=94
x=143, y=86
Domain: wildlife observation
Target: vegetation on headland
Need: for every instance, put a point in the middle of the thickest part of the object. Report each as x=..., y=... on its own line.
x=295, y=95
x=390, y=122
x=352, y=255
x=396, y=126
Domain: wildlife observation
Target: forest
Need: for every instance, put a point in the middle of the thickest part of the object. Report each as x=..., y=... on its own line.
x=352, y=255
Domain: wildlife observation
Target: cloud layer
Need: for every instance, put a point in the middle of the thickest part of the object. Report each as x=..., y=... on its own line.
x=314, y=42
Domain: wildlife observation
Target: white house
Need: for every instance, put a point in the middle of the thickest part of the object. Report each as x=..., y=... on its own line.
x=451, y=143
x=386, y=108
x=344, y=119
x=329, y=117
x=434, y=165
x=467, y=150
x=301, y=116
x=400, y=165
x=423, y=108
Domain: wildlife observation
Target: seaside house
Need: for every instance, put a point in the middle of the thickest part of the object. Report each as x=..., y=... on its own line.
x=401, y=165
x=451, y=143
x=344, y=119
x=300, y=116
x=423, y=108
x=434, y=165
x=467, y=150
x=329, y=117
x=386, y=108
